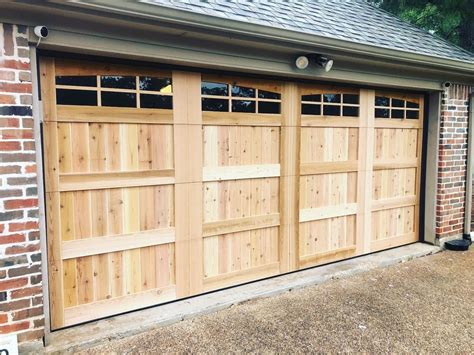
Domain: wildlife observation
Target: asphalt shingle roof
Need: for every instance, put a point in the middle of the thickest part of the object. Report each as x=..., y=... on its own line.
x=349, y=20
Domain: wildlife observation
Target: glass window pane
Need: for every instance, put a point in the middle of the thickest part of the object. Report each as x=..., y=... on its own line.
x=382, y=101
x=332, y=110
x=240, y=91
x=268, y=107
x=307, y=109
x=90, y=81
x=398, y=114
x=381, y=113
x=148, y=83
x=156, y=101
x=313, y=98
x=411, y=104
x=334, y=98
x=218, y=89
x=118, y=82
x=412, y=115
x=243, y=106
x=76, y=97
x=215, y=105
x=398, y=103
x=350, y=111
x=118, y=99
x=350, y=98
x=262, y=94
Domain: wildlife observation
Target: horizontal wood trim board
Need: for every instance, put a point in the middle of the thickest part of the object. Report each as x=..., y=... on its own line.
x=394, y=123
x=319, y=258
x=112, y=306
x=109, y=244
x=239, y=172
x=386, y=243
x=101, y=114
x=241, y=276
x=94, y=181
x=240, y=119
x=240, y=224
x=389, y=165
x=329, y=121
x=328, y=167
x=315, y=214
x=397, y=202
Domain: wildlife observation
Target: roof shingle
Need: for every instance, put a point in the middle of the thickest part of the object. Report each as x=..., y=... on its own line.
x=353, y=21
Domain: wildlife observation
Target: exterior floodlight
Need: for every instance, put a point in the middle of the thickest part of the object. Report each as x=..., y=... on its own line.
x=302, y=62
x=324, y=62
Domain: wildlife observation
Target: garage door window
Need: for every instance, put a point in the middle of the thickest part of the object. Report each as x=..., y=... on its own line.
x=115, y=91
x=396, y=107
x=330, y=104
x=226, y=97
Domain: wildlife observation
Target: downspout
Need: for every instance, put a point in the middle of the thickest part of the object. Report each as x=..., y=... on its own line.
x=470, y=171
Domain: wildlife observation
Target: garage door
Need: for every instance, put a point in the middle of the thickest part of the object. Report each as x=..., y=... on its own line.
x=166, y=184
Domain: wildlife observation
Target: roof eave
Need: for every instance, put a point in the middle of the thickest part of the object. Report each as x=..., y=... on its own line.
x=207, y=22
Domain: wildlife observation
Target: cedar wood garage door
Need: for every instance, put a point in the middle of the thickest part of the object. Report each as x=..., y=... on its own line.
x=165, y=184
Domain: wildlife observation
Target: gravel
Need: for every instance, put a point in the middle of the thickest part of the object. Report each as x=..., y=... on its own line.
x=424, y=305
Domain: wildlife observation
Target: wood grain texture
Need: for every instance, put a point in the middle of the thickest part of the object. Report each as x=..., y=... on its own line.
x=148, y=205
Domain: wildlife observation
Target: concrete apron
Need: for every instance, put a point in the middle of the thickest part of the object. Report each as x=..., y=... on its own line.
x=91, y=334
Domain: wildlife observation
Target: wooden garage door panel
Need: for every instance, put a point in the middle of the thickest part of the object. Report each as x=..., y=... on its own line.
x=110, y=192
x=204, y=182
x=107, y=147
x=397, y=169
x=329, y=157
x=241, y=170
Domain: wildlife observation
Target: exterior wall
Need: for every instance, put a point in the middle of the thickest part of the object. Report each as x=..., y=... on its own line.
x=472, y=207
x=452, y=164
x=21, y=294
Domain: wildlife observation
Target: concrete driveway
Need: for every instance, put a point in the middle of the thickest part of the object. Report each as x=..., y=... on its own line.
x=424, y=305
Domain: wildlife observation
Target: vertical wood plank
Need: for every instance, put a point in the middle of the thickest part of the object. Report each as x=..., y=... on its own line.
x=51, y=169
x=289, y=179
x=188, y=189
x=364, y=175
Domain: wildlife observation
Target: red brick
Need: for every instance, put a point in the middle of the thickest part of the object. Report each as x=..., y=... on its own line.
x=12, y=284
x=10, y=328
x=9, y=122
x=15, y=227
x=10, y=169
x=14, y=305
x=27, y=313
x=31, y=335
x=8, y=44
x=18, y=88
x=21, y=249
x=15, y=64
x=3, y=318
x=7, y=99
x=10, y=145
x=29, y=169
x=12, y=238
x=16, y=134
x=27, y=122
x=7, y=75
x=17, y=204
x=29, y=146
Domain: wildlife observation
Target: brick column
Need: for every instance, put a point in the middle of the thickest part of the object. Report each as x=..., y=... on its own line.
x=450, y=202
x=21, y=294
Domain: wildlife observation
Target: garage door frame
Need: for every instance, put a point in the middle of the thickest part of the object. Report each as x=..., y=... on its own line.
x=42, y=203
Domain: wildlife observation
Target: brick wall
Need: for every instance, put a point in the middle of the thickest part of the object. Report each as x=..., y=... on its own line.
x=452, y=161
x=472, y=205
x=21, y=300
